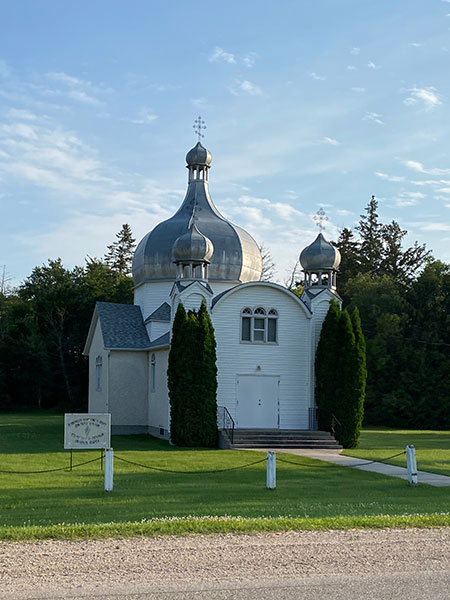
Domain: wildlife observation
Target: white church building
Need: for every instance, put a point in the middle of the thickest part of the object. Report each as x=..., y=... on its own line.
x=266, y=336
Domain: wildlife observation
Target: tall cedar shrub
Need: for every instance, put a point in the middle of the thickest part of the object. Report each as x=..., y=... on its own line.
x=192, y=376
x=326, y=371
x=345, y=386
x=175, y=368
x=341, y=374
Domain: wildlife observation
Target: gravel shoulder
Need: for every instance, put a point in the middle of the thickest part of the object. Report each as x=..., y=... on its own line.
x=63, y=568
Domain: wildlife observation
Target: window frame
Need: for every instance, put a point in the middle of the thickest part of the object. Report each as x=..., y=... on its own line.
x=261, y=313
x=98, y=373
x=153, y=373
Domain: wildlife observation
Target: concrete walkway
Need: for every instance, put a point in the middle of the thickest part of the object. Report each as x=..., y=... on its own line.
x=333, y=456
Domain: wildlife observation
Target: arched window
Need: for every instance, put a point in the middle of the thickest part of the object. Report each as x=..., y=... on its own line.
x=153, y=373
x=98, y=373
x=259, y=326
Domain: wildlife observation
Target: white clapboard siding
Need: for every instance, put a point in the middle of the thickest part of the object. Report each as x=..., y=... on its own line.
x=158, y=395
x=290, y=359
x=149, y=296
x=156, y=329
x=98, y=398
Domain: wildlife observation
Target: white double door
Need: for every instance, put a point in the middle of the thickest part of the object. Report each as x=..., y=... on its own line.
x=257, y=402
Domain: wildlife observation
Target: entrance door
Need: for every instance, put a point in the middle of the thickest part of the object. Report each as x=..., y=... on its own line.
x=257, y=402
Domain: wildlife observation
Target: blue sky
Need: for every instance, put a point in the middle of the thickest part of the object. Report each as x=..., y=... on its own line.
x=307, y=105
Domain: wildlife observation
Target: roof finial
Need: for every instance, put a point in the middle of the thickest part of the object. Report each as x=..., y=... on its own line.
x=320, y=218
x=199, y=124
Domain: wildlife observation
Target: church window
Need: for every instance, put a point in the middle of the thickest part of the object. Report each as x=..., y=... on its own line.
x=98, y=374
x=259, y=326
x=153, y=373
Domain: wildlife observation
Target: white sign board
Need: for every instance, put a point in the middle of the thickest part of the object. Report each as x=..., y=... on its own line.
x=87, y=431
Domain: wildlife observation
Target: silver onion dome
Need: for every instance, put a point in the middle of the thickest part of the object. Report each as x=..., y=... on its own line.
x=320, y=256
x=193, y=247
x=236, y=258
x=198, y=155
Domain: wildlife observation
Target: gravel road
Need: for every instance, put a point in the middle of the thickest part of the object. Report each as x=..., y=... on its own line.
x=67, y=568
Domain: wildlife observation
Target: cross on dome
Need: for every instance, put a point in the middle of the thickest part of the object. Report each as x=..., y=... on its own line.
x=320, y=218
x=199, y=124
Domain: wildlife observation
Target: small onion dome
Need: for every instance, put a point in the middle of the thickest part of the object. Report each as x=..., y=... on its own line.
x=320, y=256
x=198, y=156
x=192, y=247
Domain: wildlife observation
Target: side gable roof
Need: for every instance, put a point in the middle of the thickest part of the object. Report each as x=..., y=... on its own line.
x=122, y=326
x=162, y=313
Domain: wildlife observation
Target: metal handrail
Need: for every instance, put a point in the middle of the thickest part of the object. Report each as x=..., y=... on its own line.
x=334, y=420
x=227, y=422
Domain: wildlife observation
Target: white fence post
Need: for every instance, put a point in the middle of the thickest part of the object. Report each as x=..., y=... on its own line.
x=271, y=470
x=411, y=465
x=109, y=460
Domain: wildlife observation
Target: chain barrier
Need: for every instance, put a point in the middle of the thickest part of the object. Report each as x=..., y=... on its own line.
x=363, y=464
x=69, y=468
x=256, y=462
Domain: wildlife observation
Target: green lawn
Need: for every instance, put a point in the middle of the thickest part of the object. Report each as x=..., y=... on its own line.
x=312, y=491
x=432, y=447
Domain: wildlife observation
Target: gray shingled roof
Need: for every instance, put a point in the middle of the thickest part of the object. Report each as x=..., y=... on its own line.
x=122, y=326
x=163, y=340
x=160, y=314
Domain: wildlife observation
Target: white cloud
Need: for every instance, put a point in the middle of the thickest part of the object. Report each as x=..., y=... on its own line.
x=254, y=200
x=317, y=77
x=245, y=87
x=81, y=96
x=18, y=113
x=435, y=227
x=5, y=69
x=199, y=102
x=416, y=44
x=355, y=51
x=426, y=96
x=395, y=178
x=286, y=211
x=249, y=59
x=144, y=117
x=419, y=168
x=220, y=54
x=408, y=199
x=76, y=89
x=342, y=212
x=351, y=68
x=330, y=141
x=358, y=90
x=372, y=65
x=373, y=116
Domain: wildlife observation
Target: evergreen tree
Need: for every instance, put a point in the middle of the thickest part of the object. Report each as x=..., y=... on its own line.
x=174, y=374
x=371, y=233
x=328, y=351
x=350, y=252
x=120, y=254
x=268, y=266
x=341, y=375
x=192, y=377
x=209, y=377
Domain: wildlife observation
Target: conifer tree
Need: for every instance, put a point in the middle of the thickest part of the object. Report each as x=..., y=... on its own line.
x=341, y=375
x=174, y=371
x=192, y=378
x=120, y=254
x=347, y=406
x=328, y=351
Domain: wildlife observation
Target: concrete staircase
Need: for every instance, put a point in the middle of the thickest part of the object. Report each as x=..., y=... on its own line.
x=283, y=438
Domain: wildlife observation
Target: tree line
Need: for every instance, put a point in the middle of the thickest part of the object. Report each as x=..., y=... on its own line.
x=44, y=323
x=403, y=296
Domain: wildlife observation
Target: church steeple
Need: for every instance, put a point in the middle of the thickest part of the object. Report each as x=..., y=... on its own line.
x=320, y=261
x=192, y=252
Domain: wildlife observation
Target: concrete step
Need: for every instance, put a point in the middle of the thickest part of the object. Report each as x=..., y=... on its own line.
x=276, y=438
